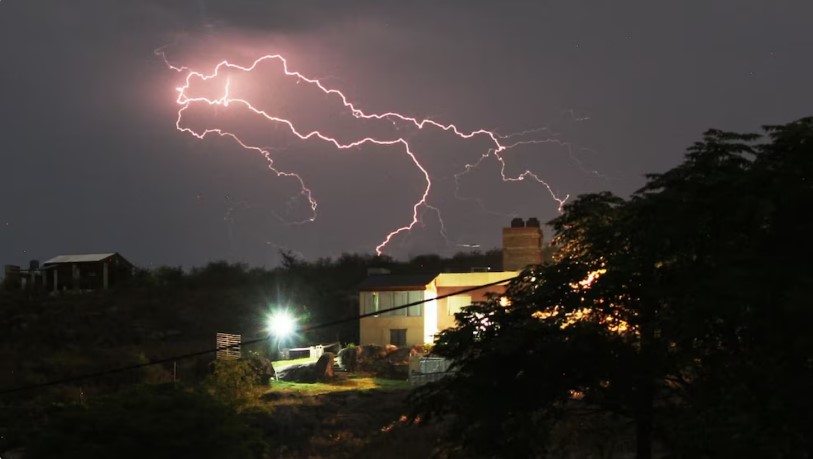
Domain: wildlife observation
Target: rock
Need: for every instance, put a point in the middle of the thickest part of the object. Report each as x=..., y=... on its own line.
x=349, y=358
x=303, y=372
x=323, y=370
x=261, y=367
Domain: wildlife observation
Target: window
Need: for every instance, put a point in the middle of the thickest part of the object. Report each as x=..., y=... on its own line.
x=372, y=302
x=385, y=302
x=369, y=302
x=398, y=336
x=455, y=303
x=416, y=310
x=400, y=299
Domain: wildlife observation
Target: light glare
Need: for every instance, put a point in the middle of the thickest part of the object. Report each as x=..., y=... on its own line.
x=281, y=324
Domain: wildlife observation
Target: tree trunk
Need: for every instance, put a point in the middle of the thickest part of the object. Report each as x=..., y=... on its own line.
x=644, y=401
x=644, y=421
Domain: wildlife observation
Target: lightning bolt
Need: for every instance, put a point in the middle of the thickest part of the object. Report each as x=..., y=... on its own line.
x=499, y=144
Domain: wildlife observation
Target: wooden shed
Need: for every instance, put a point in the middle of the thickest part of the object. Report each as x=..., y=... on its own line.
x=98, y=271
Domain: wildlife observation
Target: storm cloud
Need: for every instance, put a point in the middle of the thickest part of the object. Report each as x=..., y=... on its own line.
x=91, y=159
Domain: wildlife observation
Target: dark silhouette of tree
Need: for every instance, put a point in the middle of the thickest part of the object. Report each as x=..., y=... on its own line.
x=684, y=309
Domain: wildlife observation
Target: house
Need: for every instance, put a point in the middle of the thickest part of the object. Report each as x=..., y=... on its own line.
x=76, y=272
x=412, y=325
x=419, y=324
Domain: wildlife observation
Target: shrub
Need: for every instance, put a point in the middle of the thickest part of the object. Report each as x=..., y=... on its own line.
x=349, y=357
x=148, y=421
x=231, y=381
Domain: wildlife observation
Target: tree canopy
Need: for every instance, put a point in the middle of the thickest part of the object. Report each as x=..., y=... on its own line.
x=683, y=309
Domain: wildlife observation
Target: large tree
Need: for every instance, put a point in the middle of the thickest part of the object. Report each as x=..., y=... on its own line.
x=683, y=309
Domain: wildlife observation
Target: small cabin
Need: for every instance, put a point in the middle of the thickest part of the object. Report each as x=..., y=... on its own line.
x=85, y=271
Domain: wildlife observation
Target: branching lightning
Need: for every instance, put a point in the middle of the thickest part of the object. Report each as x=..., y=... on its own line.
x=500, y=144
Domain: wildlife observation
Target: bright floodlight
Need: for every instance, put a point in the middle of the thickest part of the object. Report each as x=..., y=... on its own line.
x=281, y=324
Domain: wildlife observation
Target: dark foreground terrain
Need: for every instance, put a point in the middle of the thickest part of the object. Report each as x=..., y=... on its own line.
x=350, y=418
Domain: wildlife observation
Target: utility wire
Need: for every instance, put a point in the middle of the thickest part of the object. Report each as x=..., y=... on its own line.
x=189, y=355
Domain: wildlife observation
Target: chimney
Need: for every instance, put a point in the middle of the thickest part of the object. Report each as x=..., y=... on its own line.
x=521, y=244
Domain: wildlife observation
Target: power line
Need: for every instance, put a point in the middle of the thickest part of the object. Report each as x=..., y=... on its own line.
x=189, y=355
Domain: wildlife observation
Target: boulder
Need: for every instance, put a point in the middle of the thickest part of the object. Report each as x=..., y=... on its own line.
x=261, y=367
x=349, y=358
x=303, y=372
x=323, y=369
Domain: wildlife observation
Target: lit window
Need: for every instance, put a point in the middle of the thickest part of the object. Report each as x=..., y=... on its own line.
x=385, y=302
x=416, y=310
x=369, y=302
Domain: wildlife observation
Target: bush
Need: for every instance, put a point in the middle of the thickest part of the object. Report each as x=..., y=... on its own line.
x=349, y=357
x=231, y=381
x=384, y=361
x=148, y=421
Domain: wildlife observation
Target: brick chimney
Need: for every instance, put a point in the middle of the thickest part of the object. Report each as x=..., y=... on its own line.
x=521, y=244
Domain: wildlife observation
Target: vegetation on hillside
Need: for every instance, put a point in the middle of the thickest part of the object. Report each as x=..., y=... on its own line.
x=167, y=312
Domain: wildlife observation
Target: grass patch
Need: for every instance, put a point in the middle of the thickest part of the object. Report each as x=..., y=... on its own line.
x=282, y=363
x=350, y=383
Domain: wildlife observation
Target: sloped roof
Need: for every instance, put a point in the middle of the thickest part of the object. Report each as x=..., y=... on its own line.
x=397, y=282
x=82, y=258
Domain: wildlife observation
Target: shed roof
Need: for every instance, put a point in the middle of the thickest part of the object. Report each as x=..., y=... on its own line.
x=81, y=258
x=397, y=282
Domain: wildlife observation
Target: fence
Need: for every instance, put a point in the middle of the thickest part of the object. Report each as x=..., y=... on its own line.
x=313, y=352
x=228, y=346
x=424, y=369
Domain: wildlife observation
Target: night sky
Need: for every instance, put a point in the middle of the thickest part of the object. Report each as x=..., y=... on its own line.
x=92, y=160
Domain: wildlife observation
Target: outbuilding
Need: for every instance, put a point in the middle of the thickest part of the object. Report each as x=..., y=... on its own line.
x=98, y=271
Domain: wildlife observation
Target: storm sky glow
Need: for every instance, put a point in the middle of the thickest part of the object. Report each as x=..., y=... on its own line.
x=454, y=99
x=221, y=72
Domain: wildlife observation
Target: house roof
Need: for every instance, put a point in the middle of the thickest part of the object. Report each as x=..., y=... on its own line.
x=82, y=258
x=473, y=279
x=397, y=282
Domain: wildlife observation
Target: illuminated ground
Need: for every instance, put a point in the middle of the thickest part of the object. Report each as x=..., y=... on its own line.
x=354, y=416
